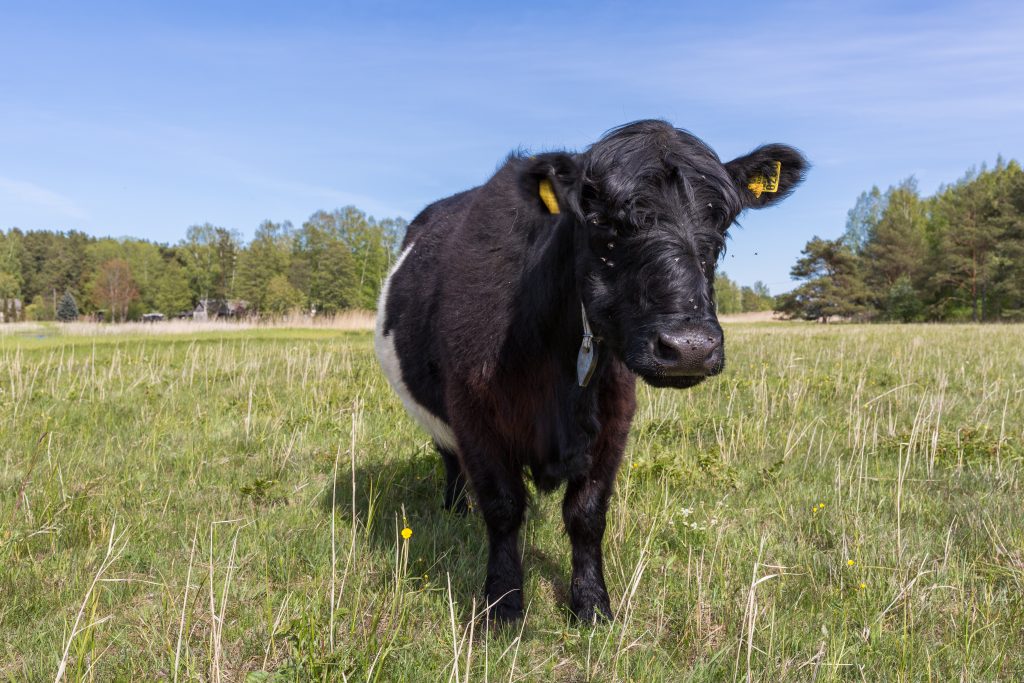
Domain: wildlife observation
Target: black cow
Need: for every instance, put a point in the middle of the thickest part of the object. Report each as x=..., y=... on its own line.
x=519, y=314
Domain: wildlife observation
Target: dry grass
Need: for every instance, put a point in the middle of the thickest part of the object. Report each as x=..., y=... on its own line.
x=752, y=317
x=349, y=320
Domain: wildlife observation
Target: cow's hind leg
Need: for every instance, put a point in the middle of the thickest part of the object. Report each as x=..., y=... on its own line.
x=455, y=482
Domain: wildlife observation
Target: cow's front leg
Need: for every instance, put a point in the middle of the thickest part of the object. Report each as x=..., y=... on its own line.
x=586, y=497
x=502, y=498
x=584, y=510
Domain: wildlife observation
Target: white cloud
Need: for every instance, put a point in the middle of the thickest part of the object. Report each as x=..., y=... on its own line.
x=24, y=192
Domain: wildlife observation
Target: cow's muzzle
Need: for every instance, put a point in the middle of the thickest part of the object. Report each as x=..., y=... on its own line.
x=691, y=351
x=679, y=354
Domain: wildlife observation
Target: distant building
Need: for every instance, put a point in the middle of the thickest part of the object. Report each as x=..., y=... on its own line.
x=152, y=317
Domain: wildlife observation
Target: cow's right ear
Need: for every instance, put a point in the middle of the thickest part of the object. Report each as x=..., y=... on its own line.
x=552, y=182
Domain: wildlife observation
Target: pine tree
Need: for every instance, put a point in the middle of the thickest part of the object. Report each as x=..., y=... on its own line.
x=968, y=243
x=894, y=258
x=67, y=309
x=833, y=283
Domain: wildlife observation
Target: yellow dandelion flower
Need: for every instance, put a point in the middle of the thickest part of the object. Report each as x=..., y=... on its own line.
x=821, y=505
x=863, y=585
x=850, y=563
x=407, y=533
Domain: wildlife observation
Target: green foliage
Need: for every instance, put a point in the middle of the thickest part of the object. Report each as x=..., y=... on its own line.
x=170, y=292
x=978, y=244
x=863, y=217
x=267, y=258
x=114, y=289
x=67, y=309
x=958, y=255
x=41, y=309
x=336, y=261
x=11, y=256
x=345, y=257
x=9, y=286
x=896, y=244
x=756, y=298
x=728, y=298
x=281, y=297
x=52, y=262
x=209, y=255
x=903, y=302
x=833, y=285
x=731, y=298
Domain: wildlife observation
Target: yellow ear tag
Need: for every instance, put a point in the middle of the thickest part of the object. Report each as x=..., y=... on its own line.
x=547, y=195
x=759, y=184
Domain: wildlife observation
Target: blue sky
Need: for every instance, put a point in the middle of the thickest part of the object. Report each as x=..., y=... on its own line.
x=141, y=119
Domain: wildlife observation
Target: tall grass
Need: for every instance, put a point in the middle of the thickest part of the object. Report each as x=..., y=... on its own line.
x=841, y=504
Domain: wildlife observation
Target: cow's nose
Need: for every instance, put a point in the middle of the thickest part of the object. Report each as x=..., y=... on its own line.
x=691, y=352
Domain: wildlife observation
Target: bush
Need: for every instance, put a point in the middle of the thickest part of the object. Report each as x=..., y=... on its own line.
x=904, y=303
x=40, y=309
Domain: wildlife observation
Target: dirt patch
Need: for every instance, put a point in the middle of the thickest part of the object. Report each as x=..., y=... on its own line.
x=752, y=317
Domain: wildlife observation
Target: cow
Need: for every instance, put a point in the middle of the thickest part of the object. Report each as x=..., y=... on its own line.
x=519, y=314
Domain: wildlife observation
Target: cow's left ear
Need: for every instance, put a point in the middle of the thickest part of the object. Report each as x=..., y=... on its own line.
x=552, y=182
x=767, y=174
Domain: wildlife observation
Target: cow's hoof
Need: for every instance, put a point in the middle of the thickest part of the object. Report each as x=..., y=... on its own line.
x=590, y=609
x=503, y=615
x=504, y=610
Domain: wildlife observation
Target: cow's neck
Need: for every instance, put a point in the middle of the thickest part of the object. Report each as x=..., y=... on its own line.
x=553, y=330
x=551, y=321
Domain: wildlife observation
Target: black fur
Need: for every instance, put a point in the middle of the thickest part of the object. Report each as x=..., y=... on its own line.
x=485, y=317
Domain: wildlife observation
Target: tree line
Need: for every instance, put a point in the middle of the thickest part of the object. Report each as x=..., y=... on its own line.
x=957, y=255
x=336, y=260
x=954, y=256
x=731, y=297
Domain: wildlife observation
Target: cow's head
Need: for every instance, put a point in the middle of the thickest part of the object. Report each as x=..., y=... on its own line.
x=652, y=205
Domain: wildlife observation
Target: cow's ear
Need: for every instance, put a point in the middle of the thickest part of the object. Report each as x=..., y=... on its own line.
x=552, y=182
x=767, y=174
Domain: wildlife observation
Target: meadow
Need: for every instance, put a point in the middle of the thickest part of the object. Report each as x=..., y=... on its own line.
x=844, y=503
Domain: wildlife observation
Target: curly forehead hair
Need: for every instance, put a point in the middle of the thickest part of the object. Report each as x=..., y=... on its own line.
x=646, y=172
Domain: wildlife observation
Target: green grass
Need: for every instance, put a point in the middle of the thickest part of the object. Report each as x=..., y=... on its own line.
x=166, y=514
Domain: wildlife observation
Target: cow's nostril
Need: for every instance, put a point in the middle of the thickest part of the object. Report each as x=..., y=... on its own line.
x=666, y=350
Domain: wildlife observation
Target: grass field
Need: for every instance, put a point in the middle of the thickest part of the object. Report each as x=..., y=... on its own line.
x=843, y=503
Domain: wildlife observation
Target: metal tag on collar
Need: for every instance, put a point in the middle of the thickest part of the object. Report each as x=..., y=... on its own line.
x=586, y=360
